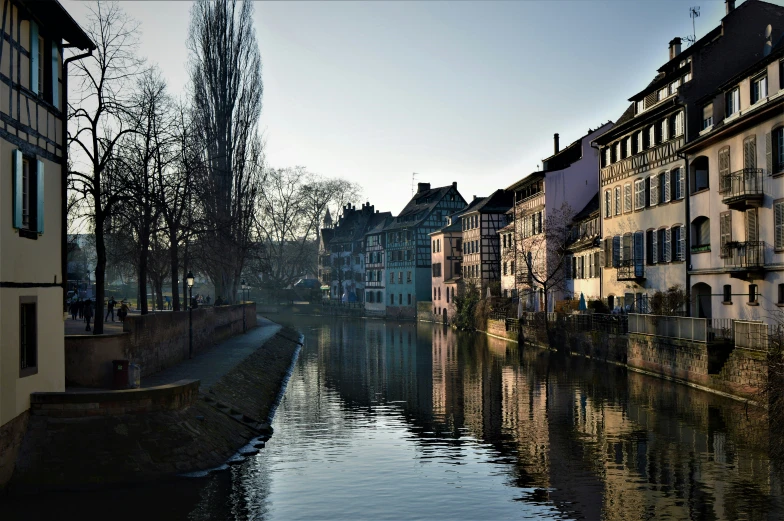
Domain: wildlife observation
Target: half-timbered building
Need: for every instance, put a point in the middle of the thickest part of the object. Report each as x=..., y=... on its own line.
x=566, y=183
x=645, y=177
x=506, y=239
x=584, y=263
x=375, y=253
x=447, y=257
x=481, y=245
x=33, y=161
x=408, y=259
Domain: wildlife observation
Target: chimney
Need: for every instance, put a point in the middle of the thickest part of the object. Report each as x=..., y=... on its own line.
x=675, y=47
x=454, y=184
x=556, y=145
x=422, y=187
x=730, y=5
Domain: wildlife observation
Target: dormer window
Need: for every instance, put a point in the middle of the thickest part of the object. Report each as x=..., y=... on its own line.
x=640, y=106
x=629, y=149
x=663, y=93
x=732, y=101
x=640, y=141
x=607, y=156
x=651, y=135
x=759, y=88
x=618, y=151
x=707, y=116
x=674, y=86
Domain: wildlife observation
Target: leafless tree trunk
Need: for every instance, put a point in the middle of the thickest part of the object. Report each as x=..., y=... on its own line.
x=97, y=120
x=225, y=69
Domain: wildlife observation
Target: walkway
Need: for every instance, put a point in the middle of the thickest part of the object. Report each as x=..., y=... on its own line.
x=210, y=365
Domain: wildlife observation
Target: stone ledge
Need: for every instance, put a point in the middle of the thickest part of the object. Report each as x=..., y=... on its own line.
x=122, y=395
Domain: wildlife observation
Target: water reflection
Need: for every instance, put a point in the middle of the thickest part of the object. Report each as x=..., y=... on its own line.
x=413, y=421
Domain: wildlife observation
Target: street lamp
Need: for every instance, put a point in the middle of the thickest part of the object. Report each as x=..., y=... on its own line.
x=244, y=287
x=189, y=280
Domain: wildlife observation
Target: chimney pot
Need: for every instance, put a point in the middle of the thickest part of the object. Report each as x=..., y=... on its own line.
x=675, y=47
x=730, y=5
x=556, y=144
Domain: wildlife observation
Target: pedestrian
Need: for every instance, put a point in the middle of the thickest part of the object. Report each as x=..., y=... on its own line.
x=110, y=309
x=74, y=308
x=79, y=307
x=88, y=313
x=208, y=299
x=123, y=312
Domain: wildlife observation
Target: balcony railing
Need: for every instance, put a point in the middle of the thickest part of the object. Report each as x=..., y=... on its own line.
x=742, y=189
x=744, y=255
x=631, y=269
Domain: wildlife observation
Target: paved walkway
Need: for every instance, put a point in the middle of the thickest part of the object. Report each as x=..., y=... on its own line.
x=209, y=366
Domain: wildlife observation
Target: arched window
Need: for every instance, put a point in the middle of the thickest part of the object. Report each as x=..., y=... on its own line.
x=700, y=232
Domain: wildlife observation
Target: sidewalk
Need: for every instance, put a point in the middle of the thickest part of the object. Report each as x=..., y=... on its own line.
x=209, y=366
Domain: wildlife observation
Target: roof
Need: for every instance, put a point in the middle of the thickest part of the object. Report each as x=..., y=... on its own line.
x=379, y=225
x=498, y=202
x=53, y=16
x=592, y=207
x=421, y=205
x=508, y=228
x=525, y=180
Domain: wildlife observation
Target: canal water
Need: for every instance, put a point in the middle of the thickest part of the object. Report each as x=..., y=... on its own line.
x=386, y=420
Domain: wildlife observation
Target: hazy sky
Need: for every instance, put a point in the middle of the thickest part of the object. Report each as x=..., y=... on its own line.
x=456, y=91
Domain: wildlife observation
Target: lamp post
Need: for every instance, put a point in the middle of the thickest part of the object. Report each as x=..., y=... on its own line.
x=189, y=280
x=244, y=287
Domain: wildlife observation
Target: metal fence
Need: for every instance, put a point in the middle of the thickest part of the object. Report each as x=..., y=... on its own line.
x=682, y=328
x=614, y=324
x=757, y=336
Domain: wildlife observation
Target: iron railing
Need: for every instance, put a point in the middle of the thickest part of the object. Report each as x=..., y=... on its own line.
x=738, y=255
x=682, y=328
x=741, y=185
x=631, y=269
x=721, y=329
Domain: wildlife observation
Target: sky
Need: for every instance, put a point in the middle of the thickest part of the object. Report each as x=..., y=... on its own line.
x=374, y=91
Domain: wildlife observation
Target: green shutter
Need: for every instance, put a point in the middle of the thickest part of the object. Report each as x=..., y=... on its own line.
x=769, y=153
x=17, y=166
x=34, y=57
x=39, y=172
x=55, y=75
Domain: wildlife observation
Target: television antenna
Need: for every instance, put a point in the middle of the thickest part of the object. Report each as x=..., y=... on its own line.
x=413, y=183
x=694, y=12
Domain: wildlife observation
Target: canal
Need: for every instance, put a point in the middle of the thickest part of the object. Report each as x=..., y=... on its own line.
x=386, y=420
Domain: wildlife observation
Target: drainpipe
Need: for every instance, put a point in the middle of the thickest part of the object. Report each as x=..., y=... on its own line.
x=687, y=200
x=64, y=179
x=601, y=218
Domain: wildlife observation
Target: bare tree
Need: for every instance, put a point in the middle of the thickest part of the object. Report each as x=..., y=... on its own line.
x=98, y=120
x=541, y=256
x=225, y=70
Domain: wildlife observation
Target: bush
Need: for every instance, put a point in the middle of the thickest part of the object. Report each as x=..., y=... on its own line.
x=598, y=306
x=671, y=302
x=465, y=302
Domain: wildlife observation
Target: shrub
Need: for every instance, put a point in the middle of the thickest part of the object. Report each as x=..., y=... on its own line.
x=465, y=302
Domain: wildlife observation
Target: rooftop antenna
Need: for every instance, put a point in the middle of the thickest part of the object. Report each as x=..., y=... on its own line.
x=694, y=12
x=413, y=183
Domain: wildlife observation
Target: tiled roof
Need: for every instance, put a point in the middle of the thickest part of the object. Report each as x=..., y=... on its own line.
x=590, y=208
x=420, y=206
x=498, y=202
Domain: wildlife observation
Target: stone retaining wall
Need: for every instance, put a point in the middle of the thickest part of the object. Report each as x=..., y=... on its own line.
x=669, y=357
x=154, y=341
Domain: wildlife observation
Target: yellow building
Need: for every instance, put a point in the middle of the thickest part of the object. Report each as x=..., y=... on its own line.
x=33, y=88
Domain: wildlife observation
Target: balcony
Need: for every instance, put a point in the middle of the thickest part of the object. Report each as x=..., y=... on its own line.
x=631, y=270
x=744, y=259
x=742, y=189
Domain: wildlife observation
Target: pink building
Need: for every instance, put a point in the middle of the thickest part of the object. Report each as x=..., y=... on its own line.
x=447, y=257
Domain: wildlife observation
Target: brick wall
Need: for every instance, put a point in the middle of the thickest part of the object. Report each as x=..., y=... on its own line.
x=744, y=373
x=669, y=357
x=154, y=341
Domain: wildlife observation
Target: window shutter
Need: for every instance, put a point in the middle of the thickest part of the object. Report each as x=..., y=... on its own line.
x=769, y=153
x=682, y=240
x=667, y=189
x=681, y=184
x=627, y=204
x=40, y=189
x=752, y=230
x=654, y=190
x=655, y=247
x=668, y=245
x=616, y=251
x=778, y=211
x=17, y=165
x=639, y=253
x=750, y=152
x=34, y=57
x=724, y=169
x=725, y=229
x=55, y=75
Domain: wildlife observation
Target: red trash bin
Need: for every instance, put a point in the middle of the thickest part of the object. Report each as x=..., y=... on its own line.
x=120, y=374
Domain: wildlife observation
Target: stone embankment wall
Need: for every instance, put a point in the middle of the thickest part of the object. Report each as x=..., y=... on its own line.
x=152, y=433
x=669, y=357
x=154, y=341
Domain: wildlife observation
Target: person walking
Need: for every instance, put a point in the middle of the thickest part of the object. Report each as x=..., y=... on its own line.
x=123, y=312
x=80, y=307
x=110, y=309
x=74, y=308
x=88, y=313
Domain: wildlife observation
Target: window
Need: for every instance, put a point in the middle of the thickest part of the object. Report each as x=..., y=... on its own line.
x=678, y=243
x=639, y=194
x=618, y=151
x=616, y=251
x=640, y=106
x=408, y=276
x=409, y=299
x=759, y=88
x=699, y=171
x=651, y=136
x=674, y=86
x=750, y=152
x=437, y=269
x=607, y=204
x=728, y=293
x=678, y=127
x=665, y=130
x=391, y=299
x=617, y=200
x=707, y=116
x=662, y=244
x=781, y=294
x=778, y=224
x=675, y=188
x=627, y=198
x=629, y=148
x=647, y=181
x=753, y=293
x=649, y=240
x=400, y=277
x=732, y=102
x=28, y=195
x=28, y=336
x=663, y=93
x=777, y=144
x=506, y=265
x=701, y=234
x=725, y=231
x=626, y=253
x=607, y=156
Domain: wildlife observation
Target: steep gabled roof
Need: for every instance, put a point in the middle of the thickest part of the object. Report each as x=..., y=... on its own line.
x=421, y=205
x=590, y=208
x=498, y=202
